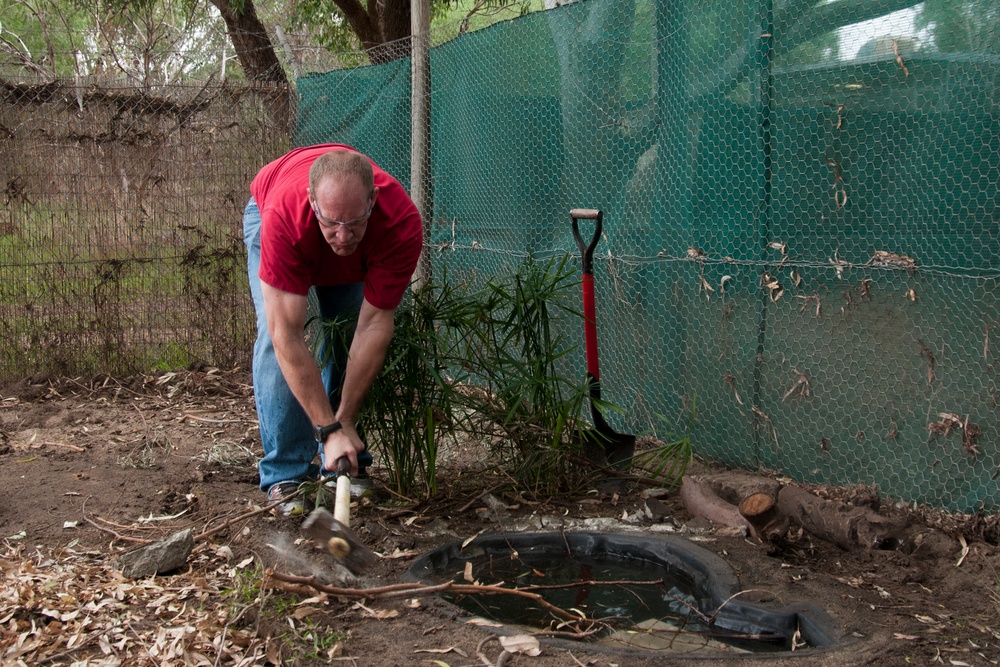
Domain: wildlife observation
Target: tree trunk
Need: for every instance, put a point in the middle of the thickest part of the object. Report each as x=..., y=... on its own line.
x=364, y=24
x=257, y=57
x=383, y=28
x=251, y=41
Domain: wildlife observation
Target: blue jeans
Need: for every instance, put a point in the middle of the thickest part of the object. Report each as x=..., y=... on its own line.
x=285, y=431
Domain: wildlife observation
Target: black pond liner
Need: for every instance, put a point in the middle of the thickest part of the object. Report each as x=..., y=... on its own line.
x=709, y=579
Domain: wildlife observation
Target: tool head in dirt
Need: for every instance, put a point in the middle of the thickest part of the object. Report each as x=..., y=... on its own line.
x=339, y=540
x=332, y=531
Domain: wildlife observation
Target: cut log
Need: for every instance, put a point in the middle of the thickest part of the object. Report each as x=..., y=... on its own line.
x=848, y=527
x=761, y=510
x=757, y=504
x=733, y=486
x=700, y=500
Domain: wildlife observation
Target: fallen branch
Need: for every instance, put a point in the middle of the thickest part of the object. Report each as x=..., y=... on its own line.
x=116, y=535
x=246, y=515
x=419, y=590
x=197, y=538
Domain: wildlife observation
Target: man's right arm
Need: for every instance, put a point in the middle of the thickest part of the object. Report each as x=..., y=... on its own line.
x=286, y=319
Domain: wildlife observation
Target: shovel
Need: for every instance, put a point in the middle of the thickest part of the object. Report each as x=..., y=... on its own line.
x=332, y=530
x=603, y=445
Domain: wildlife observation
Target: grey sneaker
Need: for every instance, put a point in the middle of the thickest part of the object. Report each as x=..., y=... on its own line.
x=361, y=484
x=293, y=506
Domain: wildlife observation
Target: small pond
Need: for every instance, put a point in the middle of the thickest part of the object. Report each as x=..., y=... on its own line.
x=632, y=592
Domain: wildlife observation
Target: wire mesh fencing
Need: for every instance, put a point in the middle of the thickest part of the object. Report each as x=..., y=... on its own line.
x=120, y=240
x=800, y=250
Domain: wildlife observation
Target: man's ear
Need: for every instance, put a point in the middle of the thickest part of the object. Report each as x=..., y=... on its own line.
x=374, y=194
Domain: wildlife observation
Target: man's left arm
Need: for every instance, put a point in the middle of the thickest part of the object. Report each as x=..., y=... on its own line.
x=367, y=355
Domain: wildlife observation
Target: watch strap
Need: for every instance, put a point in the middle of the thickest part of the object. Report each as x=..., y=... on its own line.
x=323, y=432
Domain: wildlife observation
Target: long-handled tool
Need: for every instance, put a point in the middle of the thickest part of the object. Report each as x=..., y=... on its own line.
x=332, y=530
x=617, y=448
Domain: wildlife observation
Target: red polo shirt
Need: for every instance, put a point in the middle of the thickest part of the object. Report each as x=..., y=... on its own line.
x=293, y=253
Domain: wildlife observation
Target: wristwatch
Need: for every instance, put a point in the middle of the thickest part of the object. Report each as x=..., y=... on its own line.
x=322, y=432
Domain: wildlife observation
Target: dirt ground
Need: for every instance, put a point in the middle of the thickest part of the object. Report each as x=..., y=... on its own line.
x=94, y=467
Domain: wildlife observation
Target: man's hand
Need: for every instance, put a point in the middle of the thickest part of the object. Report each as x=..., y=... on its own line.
x=343, y=442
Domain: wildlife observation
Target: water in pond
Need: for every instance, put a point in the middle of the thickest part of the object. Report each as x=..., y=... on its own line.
x=657, y=609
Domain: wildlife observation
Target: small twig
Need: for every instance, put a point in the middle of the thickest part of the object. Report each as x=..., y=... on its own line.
x=83, y=510
x=84, y=642
x=118, y=525
x=145, y=424
x=479, y=649
x=611, y=472
x=225, y=630
x=218, y=421
x=369, y=593
x=592, y=582
x=465, y=508
x=75, y=448
x=197, y=538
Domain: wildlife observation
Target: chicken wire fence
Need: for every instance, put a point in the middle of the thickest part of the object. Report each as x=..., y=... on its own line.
x=800, y=253
x=120, y=239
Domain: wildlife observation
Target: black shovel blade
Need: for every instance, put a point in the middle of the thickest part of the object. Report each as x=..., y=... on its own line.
x=608, y=449
x=602, y=444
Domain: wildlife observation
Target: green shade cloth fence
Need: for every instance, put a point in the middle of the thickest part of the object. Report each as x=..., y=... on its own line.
x=801, y=216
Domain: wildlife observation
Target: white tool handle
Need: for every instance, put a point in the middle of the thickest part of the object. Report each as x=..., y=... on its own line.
x=342, y=501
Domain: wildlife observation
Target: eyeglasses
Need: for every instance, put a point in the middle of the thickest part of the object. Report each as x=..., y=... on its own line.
x=350, y=225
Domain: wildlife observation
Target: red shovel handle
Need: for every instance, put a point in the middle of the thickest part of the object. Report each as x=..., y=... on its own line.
x=590, y=326
x=589, y=308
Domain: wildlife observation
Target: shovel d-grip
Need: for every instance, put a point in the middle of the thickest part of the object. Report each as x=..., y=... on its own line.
x=618, y=447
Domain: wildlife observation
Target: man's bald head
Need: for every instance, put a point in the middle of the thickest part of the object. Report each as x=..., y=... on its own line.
x=342, y=165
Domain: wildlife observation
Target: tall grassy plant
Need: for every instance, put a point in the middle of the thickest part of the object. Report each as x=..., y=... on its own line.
x=410, y=403
x=669, y=460
x=483, y=362
x=513, y=351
